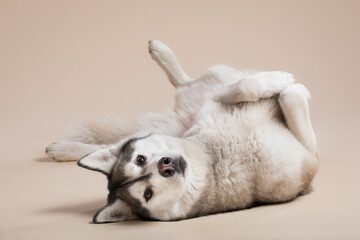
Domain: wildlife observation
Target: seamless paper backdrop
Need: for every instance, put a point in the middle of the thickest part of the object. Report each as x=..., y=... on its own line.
x=62, y=62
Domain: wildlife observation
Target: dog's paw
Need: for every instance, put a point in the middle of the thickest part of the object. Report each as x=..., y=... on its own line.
x=156, y=46
x=294, y=91
x=62, y=151
x=158, y=51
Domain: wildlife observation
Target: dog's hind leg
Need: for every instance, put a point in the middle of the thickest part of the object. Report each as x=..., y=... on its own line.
x=293, y=100
x=71, y=151
x=294, y=105
x=168, y=62
x=254, y=87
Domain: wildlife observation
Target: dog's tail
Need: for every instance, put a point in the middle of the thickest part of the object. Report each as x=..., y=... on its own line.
x=105, y=130
x=110, y=130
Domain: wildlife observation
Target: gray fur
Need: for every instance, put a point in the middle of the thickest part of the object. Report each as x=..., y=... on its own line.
x=246, y=138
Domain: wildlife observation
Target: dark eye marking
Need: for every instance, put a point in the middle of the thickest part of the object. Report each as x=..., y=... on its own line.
x=140, y=160
x=127, y=149
x=148, y=194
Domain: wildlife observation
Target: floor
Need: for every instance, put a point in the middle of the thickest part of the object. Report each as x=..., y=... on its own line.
x=62, y=62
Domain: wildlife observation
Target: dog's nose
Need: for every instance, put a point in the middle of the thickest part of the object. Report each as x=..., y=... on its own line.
x=166, y=167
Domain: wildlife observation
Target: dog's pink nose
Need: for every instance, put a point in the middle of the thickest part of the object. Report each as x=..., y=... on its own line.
x=166, y=167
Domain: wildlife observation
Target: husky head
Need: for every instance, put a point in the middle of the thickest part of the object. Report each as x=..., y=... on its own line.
x=148, y=178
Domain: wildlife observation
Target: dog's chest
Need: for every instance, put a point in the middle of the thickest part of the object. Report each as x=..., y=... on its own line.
x=232, y=136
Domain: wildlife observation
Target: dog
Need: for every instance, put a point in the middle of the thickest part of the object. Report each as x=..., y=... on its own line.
x=235, y=139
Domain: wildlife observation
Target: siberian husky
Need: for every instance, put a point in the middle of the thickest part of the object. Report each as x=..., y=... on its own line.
x=233, y=140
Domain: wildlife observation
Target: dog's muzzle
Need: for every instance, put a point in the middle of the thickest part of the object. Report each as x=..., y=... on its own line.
x=168, y=166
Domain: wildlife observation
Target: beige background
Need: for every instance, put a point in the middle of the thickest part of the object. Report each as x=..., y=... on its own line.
x=66, y=61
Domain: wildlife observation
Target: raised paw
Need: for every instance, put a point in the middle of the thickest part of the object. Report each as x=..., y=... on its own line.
x=264, y=84
x=158, y=50
x=168, y=62
x=256, y=86
x=295, y=91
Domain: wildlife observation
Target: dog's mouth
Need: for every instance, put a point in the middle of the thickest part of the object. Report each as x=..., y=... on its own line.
x=182, y=165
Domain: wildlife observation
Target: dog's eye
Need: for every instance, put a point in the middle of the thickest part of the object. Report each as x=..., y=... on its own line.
x=140, y=160
x=148, y=194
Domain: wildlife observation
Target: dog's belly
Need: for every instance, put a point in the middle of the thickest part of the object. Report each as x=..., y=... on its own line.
x=238, y=141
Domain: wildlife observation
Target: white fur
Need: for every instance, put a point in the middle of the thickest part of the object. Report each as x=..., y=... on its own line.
x=246, y=138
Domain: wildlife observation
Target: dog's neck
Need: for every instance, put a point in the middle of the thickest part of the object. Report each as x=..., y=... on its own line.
x=196, y=175
x=201, y=190
x=209, y=201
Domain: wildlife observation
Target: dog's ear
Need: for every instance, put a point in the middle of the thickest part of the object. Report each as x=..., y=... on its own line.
x=115, y=211
x=101, y=161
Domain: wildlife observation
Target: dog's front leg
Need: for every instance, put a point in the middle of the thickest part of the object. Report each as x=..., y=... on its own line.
x=254, y=87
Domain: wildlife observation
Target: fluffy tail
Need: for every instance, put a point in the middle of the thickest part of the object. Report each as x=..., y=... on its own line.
x=106, y=130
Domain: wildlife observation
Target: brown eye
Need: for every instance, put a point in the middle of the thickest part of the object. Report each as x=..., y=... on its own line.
x=148, y=194
x=140, y=160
